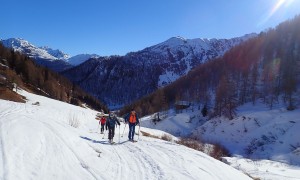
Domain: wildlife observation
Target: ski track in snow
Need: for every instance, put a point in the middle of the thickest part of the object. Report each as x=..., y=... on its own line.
x=38, y=143
x=70, y=149
x=134, y=161
x=144, y=162
x=13, y=110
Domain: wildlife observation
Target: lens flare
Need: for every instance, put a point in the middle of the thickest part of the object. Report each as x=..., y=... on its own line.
x=275, y=8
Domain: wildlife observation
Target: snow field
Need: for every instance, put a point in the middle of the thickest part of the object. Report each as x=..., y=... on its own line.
x=265, y=169
x=38, y=142
x=269, y=136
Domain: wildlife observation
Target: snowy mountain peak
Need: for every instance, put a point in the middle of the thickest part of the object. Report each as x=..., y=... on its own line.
x=54, y=59
x=23, y=46
x=152, y=67
x=177, y=38
x=80, y=58
x=174, y=41
x=56, y=53
x=198, y=45
x=16, y=43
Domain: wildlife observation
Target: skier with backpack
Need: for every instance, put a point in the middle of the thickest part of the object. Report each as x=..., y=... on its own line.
x=102, y=123
x=111, y=122
x=132, y=119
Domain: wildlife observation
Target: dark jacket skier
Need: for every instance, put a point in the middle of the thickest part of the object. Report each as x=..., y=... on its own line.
x=132, y=119
x=111, y=122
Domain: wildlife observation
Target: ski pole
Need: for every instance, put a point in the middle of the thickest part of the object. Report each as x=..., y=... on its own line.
x=119, y=133
x=98, y=128
x=139, y=132
x=124, y=129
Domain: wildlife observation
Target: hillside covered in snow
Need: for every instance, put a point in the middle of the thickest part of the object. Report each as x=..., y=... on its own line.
x=55, y=140
x=264, y=142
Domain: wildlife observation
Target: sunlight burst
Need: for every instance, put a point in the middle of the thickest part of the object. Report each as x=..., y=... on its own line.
x=275, y=8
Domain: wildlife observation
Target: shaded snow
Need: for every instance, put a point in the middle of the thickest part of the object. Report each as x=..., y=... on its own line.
x=167, y=78
x=265, y=169
x=258, y=132
x=270, y=136
x=181, y=124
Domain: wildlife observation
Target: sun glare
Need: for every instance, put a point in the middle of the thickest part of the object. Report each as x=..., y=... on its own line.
x=279, y=4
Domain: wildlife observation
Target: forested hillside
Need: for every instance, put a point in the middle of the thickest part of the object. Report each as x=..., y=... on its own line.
x=119, y=80
x=17, y=70
x=266, y=67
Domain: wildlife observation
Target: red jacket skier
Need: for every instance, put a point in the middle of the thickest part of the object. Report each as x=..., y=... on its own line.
x=102, y=122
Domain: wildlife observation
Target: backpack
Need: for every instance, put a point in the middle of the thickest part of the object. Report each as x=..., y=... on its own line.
x=132, y=118
x=111, y=122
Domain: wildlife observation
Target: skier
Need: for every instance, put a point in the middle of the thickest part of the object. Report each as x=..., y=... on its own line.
x=133, y=120
x=102, y=123
x=111, y=122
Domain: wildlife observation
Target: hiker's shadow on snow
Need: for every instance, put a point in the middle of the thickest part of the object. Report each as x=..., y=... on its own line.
x=94, y=141
x=100, y=142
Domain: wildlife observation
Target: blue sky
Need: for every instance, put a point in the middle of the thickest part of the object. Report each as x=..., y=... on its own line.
x=109, y=27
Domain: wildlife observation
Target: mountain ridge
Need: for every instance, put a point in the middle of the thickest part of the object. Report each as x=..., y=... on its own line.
x=139, y=73
x=264, y=68
x=54, y=59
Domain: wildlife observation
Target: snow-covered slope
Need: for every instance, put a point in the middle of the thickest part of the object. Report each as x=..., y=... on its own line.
x=178, y=124
x=56, y=53
x=80, y=58
x=265, y=143
x=38, y=142
x=258, y=132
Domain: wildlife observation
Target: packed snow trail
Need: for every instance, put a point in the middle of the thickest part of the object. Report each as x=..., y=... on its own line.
x=38, y=142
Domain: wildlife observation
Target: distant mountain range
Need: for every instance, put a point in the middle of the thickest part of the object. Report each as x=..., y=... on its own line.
x=54, y=59
x=17, y=71
x=34, y=52
x=137, y=73
x=119, y=80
